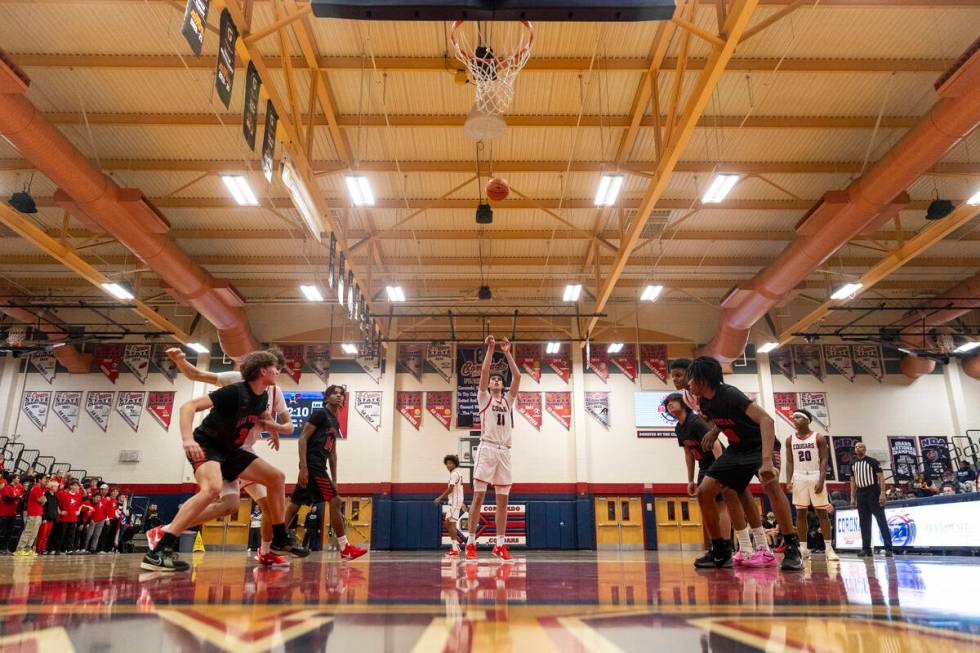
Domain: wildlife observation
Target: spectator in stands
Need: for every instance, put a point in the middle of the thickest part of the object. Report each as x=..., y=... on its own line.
x=36, y=498
x=97, y=522
x=923, y=488
x=49, y=518
x=254, y=528
x=948, y=490
x=110, y=505
x=771, y=528
x=69, y=502
x=152, y=518
x=312, y=536
x=93, y=487
x=966, y=477
x=125, y=523
x=11, y=491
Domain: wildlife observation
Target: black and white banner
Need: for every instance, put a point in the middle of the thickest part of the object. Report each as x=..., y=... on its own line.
x=45, y=364
x=67, y=404
x=35, y=405
x=839, y=358
x=440, y=357
x=318, y=359
x=224, y=72
x=129, y=404
x=195, y=23
x=163, y=362
x=269, y=141
x=250, y=112
x=137, y=359
x=98, y=405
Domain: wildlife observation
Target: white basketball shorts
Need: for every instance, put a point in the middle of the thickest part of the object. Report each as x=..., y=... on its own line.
x=492, y=467
x=805, y=492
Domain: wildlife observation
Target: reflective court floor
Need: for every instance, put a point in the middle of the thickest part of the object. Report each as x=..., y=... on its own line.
x=542, y=602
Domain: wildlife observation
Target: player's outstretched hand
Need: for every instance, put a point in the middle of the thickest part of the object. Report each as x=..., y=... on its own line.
x=176, y=354
x=490, y=341
x=505, y=345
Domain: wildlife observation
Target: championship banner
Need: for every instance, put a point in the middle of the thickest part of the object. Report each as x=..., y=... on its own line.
x=935, y=457
x=868, y=358
x=598, y=361
x=786, y=403
x=195, y=23
x=440, y=357
x=529, y=405
x=45, y=364
x=163, y=362
x=839, y=358
x=783, y=360
x=440, y=405
x=469, y=361
x=332, y=260
x=269, y=141
x=816, y=404
x=129, y=404
x=529, y=358
x=844, y=455
x=409, y=404
x=224, y=72
x=66, y=405
x=341, y=271
x=318, y=359
x=137, y=359
x=369, y=360
x=561, y=363
x=250, y=111
x=625, y=360
x=410, y=359
x=108, y=358
x=811, y=357
x=35, y=405
x=654, y=358
x=904, y=456
x=98, y=405
x=161, y=406
x=294, y=360
x=367, y=403
x=559, y=405
x=597, y=405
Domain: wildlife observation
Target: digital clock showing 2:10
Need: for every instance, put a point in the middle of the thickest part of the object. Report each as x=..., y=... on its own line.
x=301, y=405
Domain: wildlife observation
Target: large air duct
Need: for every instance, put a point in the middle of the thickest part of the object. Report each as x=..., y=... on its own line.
x=122, y=212
x=70, y=358
x=840, y=216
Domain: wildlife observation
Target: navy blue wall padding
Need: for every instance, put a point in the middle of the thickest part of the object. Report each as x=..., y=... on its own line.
x=381, y=522
x=414, y=525
x=551, y=525
x=585, y=522
x=649, y=523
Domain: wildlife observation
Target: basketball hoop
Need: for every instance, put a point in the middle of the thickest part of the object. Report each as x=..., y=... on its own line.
x=493, y=57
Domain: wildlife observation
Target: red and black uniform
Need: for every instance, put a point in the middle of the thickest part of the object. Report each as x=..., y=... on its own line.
x=321, y=487
x=9, y=501
x=49, y=517
x=236, y=409
x=743, y=457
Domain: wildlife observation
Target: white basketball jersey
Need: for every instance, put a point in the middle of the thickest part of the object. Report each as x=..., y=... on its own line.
x=496, y=419
x=806, y=454
x=456, y=480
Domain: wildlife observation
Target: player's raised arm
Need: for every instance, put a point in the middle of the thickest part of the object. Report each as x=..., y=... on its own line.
x=487, y=361
x=177, y=355
x=515, y=371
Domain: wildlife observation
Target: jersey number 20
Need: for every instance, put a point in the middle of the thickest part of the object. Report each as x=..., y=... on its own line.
x=804, y=455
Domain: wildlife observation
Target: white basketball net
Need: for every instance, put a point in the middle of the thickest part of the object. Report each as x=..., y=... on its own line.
x=494, y=54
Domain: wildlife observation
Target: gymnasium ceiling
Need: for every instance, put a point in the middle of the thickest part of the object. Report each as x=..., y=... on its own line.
x=814, y=93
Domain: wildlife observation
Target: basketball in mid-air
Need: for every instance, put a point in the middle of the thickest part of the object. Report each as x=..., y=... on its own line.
x=497, y=189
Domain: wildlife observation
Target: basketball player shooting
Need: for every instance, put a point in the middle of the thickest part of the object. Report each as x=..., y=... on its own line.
x=492, y=464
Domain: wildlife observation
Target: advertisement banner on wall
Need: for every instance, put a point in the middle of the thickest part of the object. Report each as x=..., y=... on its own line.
x=625, y=360
x=844, y=455
x=367, y=403
x=597, y=405
x=66, y=405
x=469, y=361
x=409, y=404
x=108, y=358
x=485, y=528
x=786, y=403
x=410, y=359
x=137, y=359
x=839, y=358
x=529, y=406
x=129, y=404
x=868, y=358
x=98, y=406
x=35, y=405
x=163, y=363
x=904, y=456
x=440, y=405
x=654, y=358
x=161, y=406
x=559, y=406
x=935, y=457
x=440, y=357
x=941, y=525
x=318, y=359
x=528, y=356
x=45, y=364
x=561, y=363
x=811, y=357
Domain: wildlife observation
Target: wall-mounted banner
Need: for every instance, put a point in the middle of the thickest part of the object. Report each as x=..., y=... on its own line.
x=350, y=294
x=161, y=406
x=108, y=358
x=469, y=360
x=905, y=457
x=35, y=405
x=528, y=356
x=559, y=405
x=224, y=70
x=410, y=359
x=440, y=405
x=440, y=357
x=868, y=358
x=46, y=365
x=784, y=361
x=195, y=23
x=250, y=111
x=269, y=141
x=137, y=359
x=66, y=405
x=163, y=362
x=409, y=404
x=654, y=358
x=129, y=404
x=341, y=273
x=598, y=361
x=786, y=403
x=367, y=403
x=561, y=363
x=369, y=358
x=816, y=404
x=625, y=360
x=98, y=405
x=529, y=405
x=294, y=361
x=332, y=260
x=935, y=457
x=839, y=358
x=597, y=405
x=318, y=358
x=811, y=357
x=844, y=455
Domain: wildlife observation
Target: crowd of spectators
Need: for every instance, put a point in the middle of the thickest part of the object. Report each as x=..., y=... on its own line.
x=961, y=481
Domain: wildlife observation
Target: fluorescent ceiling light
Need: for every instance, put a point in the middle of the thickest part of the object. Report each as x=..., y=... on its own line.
x=360, y=190
x=768, y=347
x=117, y=290
x=650, y=293
x=966, y=346
x=847, y=290
x=349, y=348
x=720, y=186
x=301, y=198
x=572, y=292
x=312, y=293
x=608, y=191
x=395, y=293
x=554, y=347
x=614, y=348
x=974, y=199
x=240, y=190
x=198, y=347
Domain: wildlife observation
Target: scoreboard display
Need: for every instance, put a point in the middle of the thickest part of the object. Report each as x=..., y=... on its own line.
x=302, y=404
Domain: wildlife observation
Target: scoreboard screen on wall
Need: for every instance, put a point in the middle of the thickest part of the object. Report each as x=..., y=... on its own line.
x=301, y=405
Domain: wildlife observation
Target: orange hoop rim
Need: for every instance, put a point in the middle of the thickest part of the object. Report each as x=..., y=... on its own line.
x=507, y=61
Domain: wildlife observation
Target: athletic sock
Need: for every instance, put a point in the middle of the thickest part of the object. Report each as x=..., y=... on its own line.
x=761, y=541
x=165, y=528
x=265, y=548
x=279, y=533
x=342, y=542
x=471, y=539
x=744, y=543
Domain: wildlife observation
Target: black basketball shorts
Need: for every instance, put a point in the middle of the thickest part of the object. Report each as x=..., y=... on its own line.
x=233, y=461
x=320, y=488
x=736, y=470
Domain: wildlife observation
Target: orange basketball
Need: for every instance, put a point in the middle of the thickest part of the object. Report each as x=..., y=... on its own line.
x=497, y=189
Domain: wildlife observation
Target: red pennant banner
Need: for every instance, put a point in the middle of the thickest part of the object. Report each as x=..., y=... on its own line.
x=786, y=403
x=161, y=406
x=599, y=362
x=294, y=360
x=529, y=358
x=561, y=363
x=409, y=404
x=559, y=405
x=654, y=358
x=440, y=405
x=108, y=358
x=625, y=360
x=529, y=405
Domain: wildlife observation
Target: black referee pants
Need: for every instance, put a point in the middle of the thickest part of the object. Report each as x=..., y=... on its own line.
x=868, y=505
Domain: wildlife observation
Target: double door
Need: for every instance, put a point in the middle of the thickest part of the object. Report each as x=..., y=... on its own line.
x=678, y=524
x=619, y=523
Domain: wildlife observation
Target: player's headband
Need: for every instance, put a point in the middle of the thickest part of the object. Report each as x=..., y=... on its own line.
x=801, y=414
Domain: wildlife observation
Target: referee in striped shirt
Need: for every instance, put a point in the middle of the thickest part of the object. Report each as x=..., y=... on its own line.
x=868, y=495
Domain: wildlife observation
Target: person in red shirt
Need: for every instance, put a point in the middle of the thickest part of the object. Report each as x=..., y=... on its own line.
x=93, y=530
x=35, y=509
x=69, y=502
x=110, y=505
x=10, y=496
